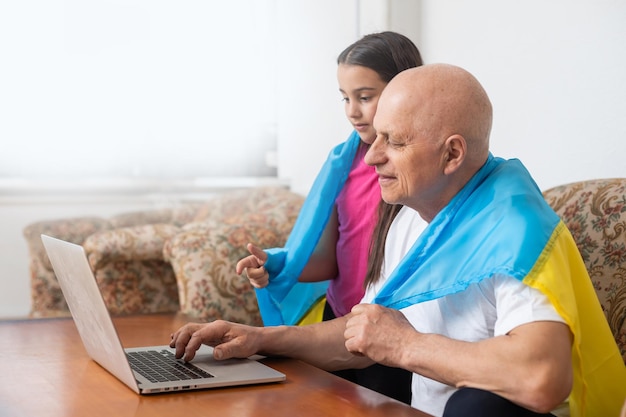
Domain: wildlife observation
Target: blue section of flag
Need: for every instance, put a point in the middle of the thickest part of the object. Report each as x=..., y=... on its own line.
x=285, y=300
x=499, y=223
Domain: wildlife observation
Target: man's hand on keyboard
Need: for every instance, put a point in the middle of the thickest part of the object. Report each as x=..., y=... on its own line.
x=229, y=340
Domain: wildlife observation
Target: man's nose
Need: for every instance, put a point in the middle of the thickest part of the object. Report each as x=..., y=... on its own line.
x=372, y=156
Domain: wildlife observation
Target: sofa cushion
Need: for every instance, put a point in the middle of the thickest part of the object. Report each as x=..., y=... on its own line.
x=138, y=287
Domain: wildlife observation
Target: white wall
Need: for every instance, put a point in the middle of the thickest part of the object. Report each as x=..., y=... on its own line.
x=555, y=74
x=554, y=71
x=310, y=111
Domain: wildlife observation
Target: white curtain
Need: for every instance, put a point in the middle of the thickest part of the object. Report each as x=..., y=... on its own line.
x=136, y=88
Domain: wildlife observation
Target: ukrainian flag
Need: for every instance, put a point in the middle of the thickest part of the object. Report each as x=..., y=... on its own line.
x=285, y=300
x=499, y=223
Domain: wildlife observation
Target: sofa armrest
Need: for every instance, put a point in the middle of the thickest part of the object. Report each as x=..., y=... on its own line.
x=46, y=297
x=137, y=243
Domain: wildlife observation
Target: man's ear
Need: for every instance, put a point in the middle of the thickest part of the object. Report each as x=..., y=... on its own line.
x=456, y=151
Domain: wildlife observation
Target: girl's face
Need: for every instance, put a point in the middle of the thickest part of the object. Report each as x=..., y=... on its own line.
x=360, y=87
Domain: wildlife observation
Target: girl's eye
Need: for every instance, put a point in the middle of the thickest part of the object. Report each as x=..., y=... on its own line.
x=345, y=99
x=365, y=99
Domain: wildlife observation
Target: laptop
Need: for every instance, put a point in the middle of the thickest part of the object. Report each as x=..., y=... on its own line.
x=103, y=345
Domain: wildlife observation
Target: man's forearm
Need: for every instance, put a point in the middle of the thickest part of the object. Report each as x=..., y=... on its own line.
x=320, y=344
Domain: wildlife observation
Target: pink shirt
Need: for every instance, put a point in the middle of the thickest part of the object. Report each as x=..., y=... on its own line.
x=357, y=206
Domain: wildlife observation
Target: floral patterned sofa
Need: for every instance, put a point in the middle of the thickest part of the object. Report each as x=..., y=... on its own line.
x=169, y=260
x=595, y=213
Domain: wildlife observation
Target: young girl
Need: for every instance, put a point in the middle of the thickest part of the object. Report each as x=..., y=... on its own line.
x=328, y=249
x=340, y=224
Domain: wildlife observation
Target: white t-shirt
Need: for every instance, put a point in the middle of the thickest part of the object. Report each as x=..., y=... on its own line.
x=404, y=231
x=492, y=307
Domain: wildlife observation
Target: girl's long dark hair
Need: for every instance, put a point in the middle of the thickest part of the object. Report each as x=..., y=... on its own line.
x=387, y=53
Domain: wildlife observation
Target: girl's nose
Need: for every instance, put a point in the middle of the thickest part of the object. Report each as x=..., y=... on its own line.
x=353, y=110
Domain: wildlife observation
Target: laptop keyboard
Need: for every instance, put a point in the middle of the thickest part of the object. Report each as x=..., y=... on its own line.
x=162, y=366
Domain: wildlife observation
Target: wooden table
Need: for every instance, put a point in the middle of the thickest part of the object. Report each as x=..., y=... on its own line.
x=46, y=372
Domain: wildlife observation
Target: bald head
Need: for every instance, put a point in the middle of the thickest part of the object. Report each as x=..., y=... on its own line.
x=444, y=100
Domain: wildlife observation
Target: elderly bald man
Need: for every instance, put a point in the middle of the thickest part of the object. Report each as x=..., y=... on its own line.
x=482, y=298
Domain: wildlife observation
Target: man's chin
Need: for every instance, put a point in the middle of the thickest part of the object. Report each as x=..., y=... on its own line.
x=389, y=198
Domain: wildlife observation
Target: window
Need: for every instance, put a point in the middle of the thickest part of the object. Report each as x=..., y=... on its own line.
x=140, y=89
